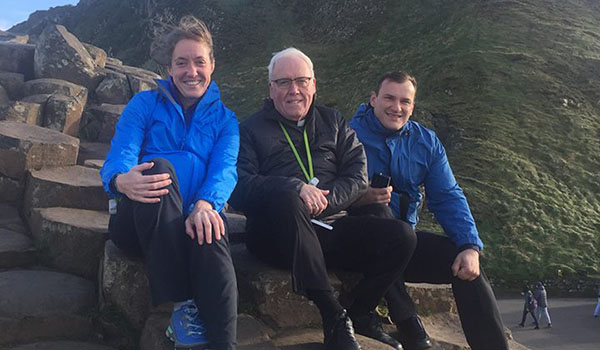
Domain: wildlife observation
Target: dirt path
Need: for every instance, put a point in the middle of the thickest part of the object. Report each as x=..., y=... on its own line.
x=573, y=327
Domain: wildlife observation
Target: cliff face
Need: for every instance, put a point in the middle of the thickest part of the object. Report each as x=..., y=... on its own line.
x=511, y=87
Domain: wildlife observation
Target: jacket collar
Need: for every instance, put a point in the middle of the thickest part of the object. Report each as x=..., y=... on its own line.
x=168, y=89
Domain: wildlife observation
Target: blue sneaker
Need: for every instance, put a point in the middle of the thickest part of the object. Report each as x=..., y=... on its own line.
x=186, y=329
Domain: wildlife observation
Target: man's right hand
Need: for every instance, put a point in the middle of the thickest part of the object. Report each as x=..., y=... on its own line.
x=314, y=199
x=143, y=188
x=375, y=195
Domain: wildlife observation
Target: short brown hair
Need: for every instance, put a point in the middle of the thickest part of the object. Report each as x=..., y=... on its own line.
x=189, y=27
x=397, y=77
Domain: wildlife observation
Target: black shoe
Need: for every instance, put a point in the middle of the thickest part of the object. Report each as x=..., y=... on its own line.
x=339, y=335
x=370, y=326
x=412, y=334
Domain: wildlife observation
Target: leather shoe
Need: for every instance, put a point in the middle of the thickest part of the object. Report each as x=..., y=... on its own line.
x=412, y=334
x=370, y=326
x=339, y=334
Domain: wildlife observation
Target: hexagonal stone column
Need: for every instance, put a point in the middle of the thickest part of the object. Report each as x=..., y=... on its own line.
x=55, y=86
x=25, y=147
x=124, y=284
x=99, y=122
x=17, y=58
x=16, y=249
x=71, y=187
x=37, y=305
x=63, y=113
x=71, y=240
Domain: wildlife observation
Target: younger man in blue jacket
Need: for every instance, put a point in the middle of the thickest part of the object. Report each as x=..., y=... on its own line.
x=413, y=155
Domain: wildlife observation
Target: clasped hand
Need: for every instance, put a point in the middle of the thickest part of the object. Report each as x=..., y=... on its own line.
x=314, y=199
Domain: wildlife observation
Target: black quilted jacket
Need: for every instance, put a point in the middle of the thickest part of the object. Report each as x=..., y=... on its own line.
x=267, y=165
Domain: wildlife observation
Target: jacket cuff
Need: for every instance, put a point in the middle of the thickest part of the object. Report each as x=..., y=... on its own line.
x=112, y=185
x=464, y=247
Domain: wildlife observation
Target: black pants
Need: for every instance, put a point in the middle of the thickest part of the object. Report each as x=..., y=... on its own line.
x=532, y=312
x=282, y=235
x=431, y=263
x=178, y=267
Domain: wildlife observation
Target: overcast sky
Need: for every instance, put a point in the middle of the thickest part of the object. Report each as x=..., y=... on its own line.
x=17, y=11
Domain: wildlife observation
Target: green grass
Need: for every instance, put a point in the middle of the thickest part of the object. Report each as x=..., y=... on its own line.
x=511, y=87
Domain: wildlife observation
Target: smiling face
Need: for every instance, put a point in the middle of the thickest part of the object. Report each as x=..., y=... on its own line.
x=191, y=67
x=394, y=103
x=292, y=102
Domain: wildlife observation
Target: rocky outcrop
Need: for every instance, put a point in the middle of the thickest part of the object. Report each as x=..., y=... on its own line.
x=59, y=54
x=17, y=58
x=13, y=83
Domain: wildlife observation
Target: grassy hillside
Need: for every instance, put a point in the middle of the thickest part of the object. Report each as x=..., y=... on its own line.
x=512, y=87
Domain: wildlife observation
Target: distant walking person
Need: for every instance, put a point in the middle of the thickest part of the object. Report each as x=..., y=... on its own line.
x=598, y=304
x=529, y=307
x=541, y=296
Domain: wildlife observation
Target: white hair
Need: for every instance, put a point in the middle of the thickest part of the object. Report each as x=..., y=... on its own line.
x=289, y=52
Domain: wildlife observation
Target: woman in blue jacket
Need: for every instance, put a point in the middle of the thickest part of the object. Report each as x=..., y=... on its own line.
x=172, y=167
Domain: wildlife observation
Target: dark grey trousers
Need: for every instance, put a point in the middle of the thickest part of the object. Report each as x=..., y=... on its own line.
x=178, y=267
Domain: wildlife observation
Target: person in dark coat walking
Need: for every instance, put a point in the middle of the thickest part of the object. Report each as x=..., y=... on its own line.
x=529, y=307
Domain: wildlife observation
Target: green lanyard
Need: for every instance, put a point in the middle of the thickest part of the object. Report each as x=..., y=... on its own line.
x=309, y=175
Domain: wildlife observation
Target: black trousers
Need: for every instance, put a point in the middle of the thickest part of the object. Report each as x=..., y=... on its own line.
x=282, y=235
x=431, y=263
x=532, y=312
x=178, y=267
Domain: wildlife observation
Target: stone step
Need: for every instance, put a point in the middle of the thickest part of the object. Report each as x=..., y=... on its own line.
x=73, y=186
x=237, y=227
x=10, y=219
x=43, y=305
x=92, y=150
x=94, y=163
x=71, y=240
x=16, y=250
x=251, y=333
x=26, y=147
x=62, y=345
x=124, y=285
x=268, y=290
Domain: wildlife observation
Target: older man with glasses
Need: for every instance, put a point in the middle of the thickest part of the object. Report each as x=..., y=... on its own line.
x=300, y=166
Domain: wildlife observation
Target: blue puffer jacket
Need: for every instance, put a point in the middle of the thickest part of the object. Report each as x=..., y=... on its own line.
x=414, y=156
x=204, y=154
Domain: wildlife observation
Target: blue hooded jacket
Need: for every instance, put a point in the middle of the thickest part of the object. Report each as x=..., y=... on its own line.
x=203, y=153
x=414, y=156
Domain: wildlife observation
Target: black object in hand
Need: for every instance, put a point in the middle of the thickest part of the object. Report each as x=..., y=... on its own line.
x=380, y=180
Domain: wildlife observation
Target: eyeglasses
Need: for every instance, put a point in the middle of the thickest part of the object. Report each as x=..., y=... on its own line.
x=285, y=83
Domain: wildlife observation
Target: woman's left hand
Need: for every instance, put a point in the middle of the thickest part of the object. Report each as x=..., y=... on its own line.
x=202, y=222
